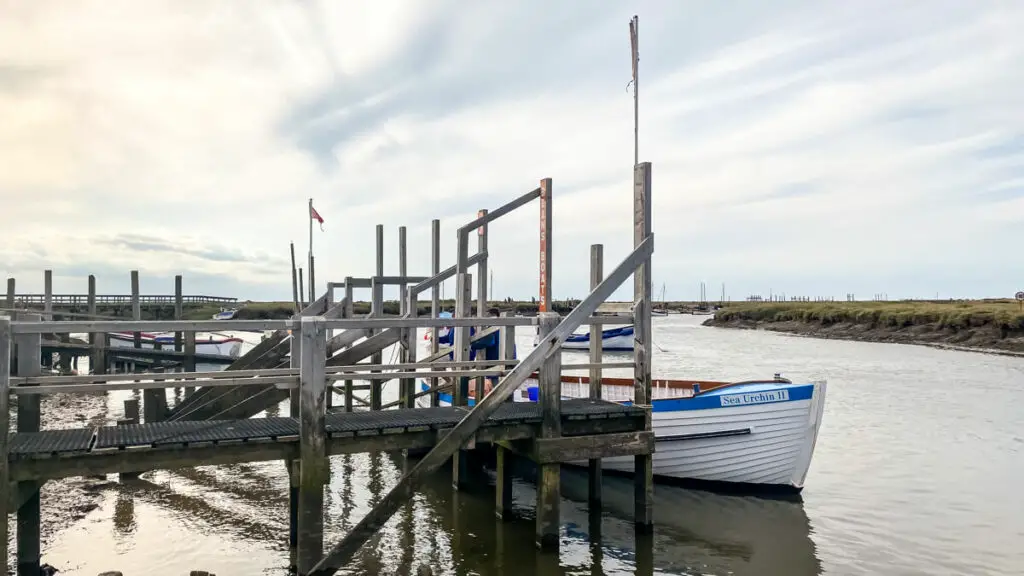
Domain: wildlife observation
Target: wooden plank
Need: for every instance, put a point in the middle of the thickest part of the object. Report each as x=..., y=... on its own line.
x=566, y=448
x=340, y=554
x=377, y=309
x=371, y=346
x=441, y=275
x=348, y=313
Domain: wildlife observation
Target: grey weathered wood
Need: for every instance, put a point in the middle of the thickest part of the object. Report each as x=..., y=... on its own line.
x=10, y=293
x=5, y=426
x=377, y=309
x=643, y=473
x=295, y=281
x=507, y=344
x=312, y=442
x=294, y=362
x=503, y=483
x=369, y=347
x=467, y=428
x=98, y=357
x=190, y=352
x=545, y=245
x=594, y=464
x=131, y=416
x=47, y=295
x=450, y=272
x=548, y=474
x=28, y=516
x=463, y=284
x=136, y=307
x=179, y=310
x=409, y=384
x=493, y=215
x=481, y=286
x=302, y=291
x=65, y=326
x=349, y=298
x=565, y=448
x=435, y=302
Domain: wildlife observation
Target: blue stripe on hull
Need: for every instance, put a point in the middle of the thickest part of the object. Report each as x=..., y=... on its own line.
x=720, y=399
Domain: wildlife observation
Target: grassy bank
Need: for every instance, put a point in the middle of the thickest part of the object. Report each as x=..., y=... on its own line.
x=995, y=324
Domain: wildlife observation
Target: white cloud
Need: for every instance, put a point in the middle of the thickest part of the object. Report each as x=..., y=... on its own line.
x=794, y=144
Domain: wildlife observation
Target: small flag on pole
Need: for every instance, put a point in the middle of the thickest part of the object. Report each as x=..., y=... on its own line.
x=316, y=216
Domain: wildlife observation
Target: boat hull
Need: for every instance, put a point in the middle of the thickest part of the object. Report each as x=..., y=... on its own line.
x=205, y=344
x=612, y=339
x=760, y=433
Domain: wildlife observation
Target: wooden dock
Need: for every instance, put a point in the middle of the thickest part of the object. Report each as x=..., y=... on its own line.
x=321, y=354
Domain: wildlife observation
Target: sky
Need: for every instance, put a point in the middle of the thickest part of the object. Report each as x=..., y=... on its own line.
x=799, y=147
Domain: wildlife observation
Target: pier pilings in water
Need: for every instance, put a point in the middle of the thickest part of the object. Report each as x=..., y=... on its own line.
x=320, y=352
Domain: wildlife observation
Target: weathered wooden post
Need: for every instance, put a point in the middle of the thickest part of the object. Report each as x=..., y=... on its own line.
x=435, y=305
x=131, y=416
x=5, y=425
x=596, y=275
x=179, y=311
x=503, y=486
x=643, y=473
x=349, y=313
x=48, y=295
x=98, y=357
x=11, y=293
x=481, y=288
x=460, y=395
x=545, y=245
x=295, y=282
x=294, y=362
x=312, y=442
x=190, y=351
x=376, y=311
x=407, y=344
x=29, y=354
x=548, y=474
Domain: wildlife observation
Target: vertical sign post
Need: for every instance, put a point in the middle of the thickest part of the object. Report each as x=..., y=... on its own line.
x=545, y=246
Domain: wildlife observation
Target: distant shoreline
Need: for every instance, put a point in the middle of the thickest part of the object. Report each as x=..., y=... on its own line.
x=989, y=326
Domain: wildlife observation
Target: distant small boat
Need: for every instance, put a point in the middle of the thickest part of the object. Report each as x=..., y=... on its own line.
x=205, y=343
x=613, y=339
x=659, y=312
x=225, y=314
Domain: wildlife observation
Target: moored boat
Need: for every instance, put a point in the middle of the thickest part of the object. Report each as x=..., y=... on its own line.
x=210, y=344
x=225, y=314
x=619, y=338
x=759, y=432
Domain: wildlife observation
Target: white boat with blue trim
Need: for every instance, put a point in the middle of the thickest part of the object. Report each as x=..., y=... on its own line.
x=753, y=432
x=619, y=338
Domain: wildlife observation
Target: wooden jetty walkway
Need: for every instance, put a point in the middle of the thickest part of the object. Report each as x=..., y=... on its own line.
x=322, y=352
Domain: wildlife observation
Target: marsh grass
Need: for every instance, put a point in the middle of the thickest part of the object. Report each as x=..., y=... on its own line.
x=956, y=315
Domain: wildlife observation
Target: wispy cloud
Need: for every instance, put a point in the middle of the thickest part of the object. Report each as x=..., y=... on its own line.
x=796, y=145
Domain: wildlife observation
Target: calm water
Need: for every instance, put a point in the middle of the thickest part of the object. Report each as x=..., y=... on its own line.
x=917, y=471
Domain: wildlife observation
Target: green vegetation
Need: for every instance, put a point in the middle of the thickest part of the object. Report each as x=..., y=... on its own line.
x=955, y=315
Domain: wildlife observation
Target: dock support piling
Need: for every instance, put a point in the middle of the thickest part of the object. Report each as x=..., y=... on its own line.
x=503, y=483
x=435, y=303
x=131, y=416
x=643, y=473
x=460, y=396
x=377, y=310
x=349, y=312
x=481, y=287
x=294, y=362
x=544, y=304
x=548, y=474
x=5, y=425
x=28, y=517
x=407, y=345
x=97, y=359
x=11, y=292
x=179, y=311
x=312, y=443
x=594, y=465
